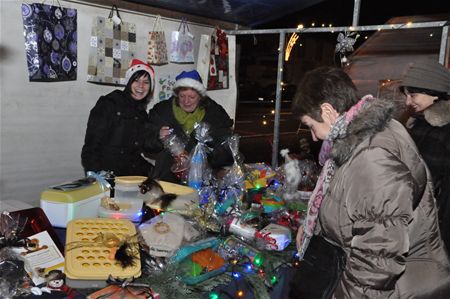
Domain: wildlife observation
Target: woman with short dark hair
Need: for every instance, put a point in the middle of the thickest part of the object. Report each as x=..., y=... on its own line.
x=373, y=198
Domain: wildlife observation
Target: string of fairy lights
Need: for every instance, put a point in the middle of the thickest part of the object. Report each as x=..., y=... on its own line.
x=239, y=269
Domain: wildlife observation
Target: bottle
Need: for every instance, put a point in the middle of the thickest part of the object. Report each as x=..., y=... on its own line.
x=195, y=177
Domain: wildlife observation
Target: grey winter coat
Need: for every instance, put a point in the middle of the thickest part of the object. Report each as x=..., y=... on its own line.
x=380, y=209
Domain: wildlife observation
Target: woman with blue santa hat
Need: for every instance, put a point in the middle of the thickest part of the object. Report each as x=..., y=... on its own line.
x=178, y=115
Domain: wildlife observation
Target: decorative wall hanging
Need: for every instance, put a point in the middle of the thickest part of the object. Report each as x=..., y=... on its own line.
x=203, y=56
x=165, y=86
x=218, y=75
x=50, y=42
x=157, y=48
x=112, y=47
x=182, y=44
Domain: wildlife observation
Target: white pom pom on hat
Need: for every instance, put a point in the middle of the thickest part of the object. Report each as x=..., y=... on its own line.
x=137, y=65
x=190, y=79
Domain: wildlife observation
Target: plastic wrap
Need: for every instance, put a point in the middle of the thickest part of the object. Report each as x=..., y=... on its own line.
x=176, y=147
x=14, y=279
x=199, y=170
x=299, y=177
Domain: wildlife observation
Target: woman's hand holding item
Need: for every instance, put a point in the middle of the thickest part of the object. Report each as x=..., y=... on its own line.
x=164, y=132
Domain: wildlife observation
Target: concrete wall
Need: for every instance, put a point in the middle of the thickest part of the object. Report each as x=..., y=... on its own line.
x=43, y=124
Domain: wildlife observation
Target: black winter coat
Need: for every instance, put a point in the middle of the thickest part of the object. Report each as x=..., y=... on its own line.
x=115, y=136
x=431, y=133
x=220, y=129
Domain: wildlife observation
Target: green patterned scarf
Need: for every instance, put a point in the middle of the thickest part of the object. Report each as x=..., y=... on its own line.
x=187, y=120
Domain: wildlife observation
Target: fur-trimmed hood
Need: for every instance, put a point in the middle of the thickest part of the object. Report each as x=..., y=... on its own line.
x=438, y=114
x=369, y=121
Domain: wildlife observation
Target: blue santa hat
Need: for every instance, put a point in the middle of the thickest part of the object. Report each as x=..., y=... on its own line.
x=192, y=80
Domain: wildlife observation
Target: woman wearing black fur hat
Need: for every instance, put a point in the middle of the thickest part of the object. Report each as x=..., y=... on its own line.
x=426, y=86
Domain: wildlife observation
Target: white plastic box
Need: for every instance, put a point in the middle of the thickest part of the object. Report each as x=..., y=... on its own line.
x=63, y=206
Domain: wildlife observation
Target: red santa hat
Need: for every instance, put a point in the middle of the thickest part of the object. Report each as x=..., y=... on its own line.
x=137, y=65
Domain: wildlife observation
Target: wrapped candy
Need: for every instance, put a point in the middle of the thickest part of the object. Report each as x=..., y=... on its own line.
x=14, y=279
x=232, y=185
x=299, y=177
x=175, y=146
x=229, y=201
x=273, y=237
x=233, y=248
x=238, y=227
x=235, y=176
x=199, y=171
x=258, y=175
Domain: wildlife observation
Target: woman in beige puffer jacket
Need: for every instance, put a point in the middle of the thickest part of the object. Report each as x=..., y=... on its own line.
x=379, y=205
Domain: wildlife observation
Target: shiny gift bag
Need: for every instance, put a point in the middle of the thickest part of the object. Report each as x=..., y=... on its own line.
x=50, y=42
x=182, y=44
x=157, y=48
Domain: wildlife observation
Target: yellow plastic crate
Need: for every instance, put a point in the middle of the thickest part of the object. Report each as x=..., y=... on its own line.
x=88, y=262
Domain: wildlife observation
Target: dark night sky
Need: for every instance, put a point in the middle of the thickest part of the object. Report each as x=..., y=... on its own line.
x=372, y=12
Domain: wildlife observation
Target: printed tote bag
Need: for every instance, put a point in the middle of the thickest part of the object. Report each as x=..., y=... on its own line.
x=157, y=48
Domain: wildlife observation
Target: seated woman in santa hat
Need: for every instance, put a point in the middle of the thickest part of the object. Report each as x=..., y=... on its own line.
x=178, y=116
x=116, y=127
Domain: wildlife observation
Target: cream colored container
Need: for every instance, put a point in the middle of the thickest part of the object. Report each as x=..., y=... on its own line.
x=63, y=206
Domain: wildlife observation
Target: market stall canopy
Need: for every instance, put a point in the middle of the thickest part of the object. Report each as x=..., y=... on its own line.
x=243, y=12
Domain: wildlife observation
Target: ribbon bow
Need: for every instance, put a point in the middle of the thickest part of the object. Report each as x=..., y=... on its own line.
x=101, y=177
x=124, y=288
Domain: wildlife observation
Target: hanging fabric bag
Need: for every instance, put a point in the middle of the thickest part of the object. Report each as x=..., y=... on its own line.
x=157, y=48
x=50, y=42
x=182, y=44
x=112, y=47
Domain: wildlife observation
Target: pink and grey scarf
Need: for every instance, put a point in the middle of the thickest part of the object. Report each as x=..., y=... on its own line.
x=338, y=130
